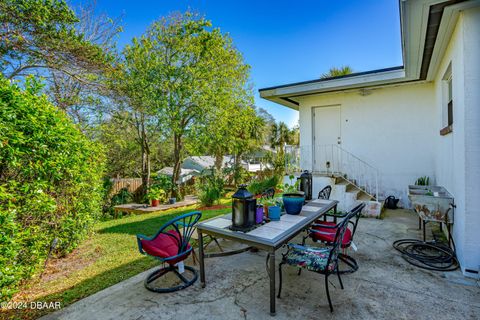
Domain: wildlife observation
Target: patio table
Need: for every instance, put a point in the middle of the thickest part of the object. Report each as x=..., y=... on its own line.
x=268, y=237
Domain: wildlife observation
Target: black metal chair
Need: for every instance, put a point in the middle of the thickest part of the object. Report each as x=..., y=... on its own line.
x=268, y=193
x=325, y=193
x=319, y=260
x=325, y=231
x=171, y=245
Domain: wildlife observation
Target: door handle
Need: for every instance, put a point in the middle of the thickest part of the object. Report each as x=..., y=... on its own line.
x=339, y=140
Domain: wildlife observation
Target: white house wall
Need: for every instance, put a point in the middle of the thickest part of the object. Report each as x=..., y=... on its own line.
x=392, y=129
x=458, y=153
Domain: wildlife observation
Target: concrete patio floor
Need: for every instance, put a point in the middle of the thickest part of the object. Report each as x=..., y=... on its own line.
x=385, y=287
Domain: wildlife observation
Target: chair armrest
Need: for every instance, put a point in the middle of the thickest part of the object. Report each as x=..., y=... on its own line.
x=141, y=237
x=338, y=215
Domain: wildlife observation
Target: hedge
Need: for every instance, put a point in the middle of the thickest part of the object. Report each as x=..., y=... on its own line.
x=50, y=183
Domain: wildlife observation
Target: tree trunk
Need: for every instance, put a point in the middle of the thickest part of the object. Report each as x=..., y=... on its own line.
x=237, y=167
x=145, y=164
x=218, y=161
x=177, y=151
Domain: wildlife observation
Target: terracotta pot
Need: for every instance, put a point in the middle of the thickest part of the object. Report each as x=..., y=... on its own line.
x=155, y=202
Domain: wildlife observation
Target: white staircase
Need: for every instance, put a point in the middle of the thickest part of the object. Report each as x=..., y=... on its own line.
x=352, y=179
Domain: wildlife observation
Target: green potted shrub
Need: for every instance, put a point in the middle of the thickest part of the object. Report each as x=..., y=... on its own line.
x=156, y=195
x=293, y=199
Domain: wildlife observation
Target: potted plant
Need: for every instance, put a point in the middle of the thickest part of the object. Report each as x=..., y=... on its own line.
x=293, y=199
x=273, y=209
x=156, y=195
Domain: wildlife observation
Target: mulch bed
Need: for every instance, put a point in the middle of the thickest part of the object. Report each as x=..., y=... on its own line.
x=219, y=206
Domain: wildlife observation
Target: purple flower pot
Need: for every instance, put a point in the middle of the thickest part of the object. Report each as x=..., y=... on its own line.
x=259, y=214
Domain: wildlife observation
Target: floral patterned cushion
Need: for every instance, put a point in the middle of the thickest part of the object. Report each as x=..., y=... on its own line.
x=311, y=258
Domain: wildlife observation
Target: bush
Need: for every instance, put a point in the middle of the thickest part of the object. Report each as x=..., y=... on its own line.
x=50, y=183
x=210, y=188
x=257, y=187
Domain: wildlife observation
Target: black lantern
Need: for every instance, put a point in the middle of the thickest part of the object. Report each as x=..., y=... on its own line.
x=306, y=184
x=243, y=209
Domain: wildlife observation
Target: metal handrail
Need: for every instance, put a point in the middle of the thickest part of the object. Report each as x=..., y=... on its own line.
x=336, y=160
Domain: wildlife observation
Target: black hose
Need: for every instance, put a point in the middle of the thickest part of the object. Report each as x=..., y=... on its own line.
x=427, y=255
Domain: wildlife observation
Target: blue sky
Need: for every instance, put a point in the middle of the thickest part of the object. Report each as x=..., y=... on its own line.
x=285, y=41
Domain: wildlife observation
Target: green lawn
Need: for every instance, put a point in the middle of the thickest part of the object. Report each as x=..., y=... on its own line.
x=109, y=256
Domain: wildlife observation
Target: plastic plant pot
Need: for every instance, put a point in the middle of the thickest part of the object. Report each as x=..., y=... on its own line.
x=259, y=214
x=274, y=213
x=155, y=202
x=172, y=200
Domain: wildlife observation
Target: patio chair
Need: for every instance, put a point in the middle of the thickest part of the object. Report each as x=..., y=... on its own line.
x=325, y=193
x=320, y=260
x=325, y=231
x=171, y=246
x=268, y=193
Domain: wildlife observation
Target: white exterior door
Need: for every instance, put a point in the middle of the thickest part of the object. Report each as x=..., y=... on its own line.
x=326, y=134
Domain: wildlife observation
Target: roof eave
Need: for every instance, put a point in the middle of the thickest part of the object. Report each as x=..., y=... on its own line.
x=285, y=95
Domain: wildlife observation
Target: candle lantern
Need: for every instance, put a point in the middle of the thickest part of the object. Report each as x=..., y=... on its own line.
x=243, y=209
x=306, y=184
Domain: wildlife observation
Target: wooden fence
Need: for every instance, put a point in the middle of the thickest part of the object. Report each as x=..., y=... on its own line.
x=131, y=184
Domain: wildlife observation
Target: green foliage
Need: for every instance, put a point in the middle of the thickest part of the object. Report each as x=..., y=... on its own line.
x=180, y=71
x=258, y=186
x=291, y=187
x=50, y=183
x=280, y=136
x=337, y=72
x=156, y=193
x=40, y=34
x=123, y=196
x=162, y=181
x=423, y=181
x=210, y=188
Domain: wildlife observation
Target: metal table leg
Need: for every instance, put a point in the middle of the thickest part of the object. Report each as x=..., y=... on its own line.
x=272, y=283
x=424, y=232
x=335, y=214
x=201, y=258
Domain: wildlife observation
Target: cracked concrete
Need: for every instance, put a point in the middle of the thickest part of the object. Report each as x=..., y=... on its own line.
x=385, y=287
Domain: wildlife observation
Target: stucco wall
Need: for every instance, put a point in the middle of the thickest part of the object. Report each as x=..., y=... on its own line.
x=391, y=129
x=458, y=153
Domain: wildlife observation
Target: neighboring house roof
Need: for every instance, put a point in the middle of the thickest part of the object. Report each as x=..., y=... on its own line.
x=426, y=26
x=206, y=162
x=183, y=172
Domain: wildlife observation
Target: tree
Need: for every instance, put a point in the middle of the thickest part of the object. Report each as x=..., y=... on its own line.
x=46, y=38
x=83, y=100
x=184, y=70
x=280, y=136
x=39, y=35
x=228, y=131
x=337, y=72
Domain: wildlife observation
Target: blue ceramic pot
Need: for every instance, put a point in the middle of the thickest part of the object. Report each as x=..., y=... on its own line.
x=293, y=203
x=274, y=213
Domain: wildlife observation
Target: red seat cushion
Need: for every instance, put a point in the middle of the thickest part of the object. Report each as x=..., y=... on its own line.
x=164, y=246
x=330, y=237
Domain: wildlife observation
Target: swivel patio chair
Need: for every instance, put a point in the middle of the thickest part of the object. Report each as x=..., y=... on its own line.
x=325, y=193
x=325, y=231
x=171, y=246
x=319, y=260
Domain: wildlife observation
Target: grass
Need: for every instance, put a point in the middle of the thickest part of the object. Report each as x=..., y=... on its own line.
x=109, y=256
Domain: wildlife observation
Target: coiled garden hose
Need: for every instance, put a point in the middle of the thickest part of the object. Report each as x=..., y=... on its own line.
x=427, y=255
